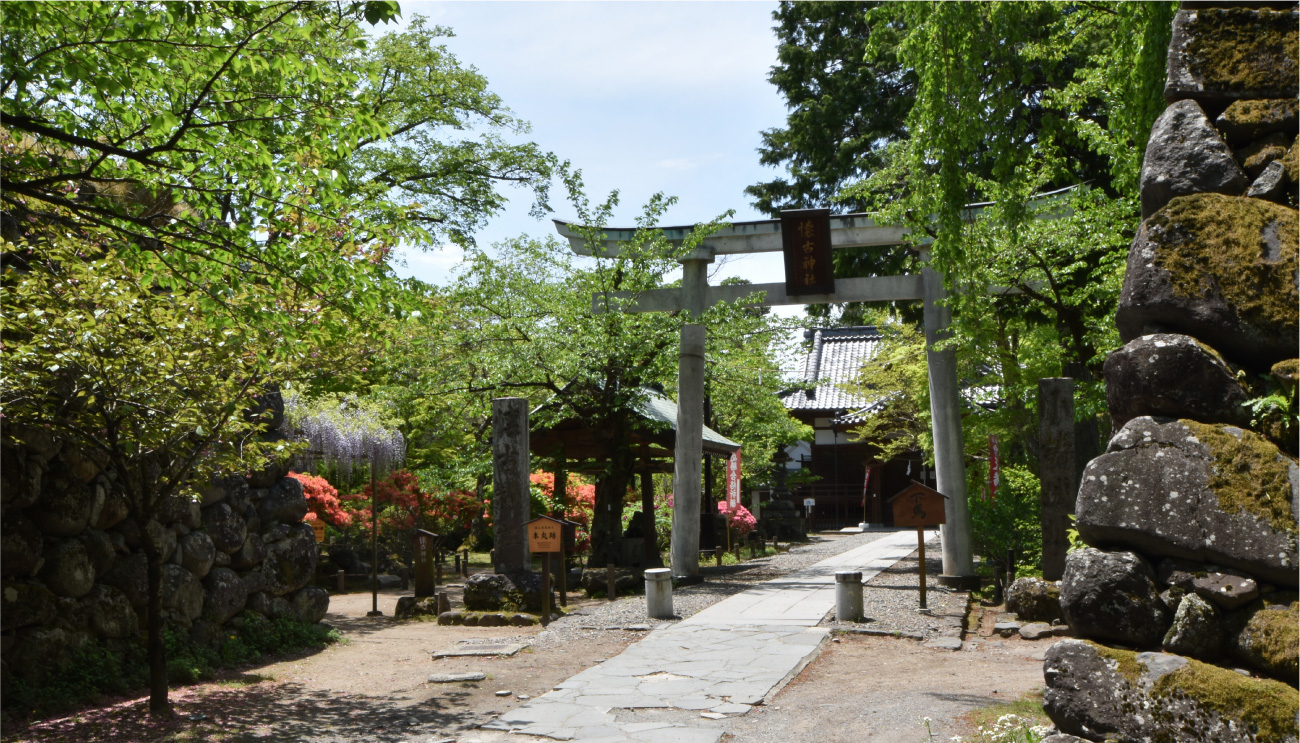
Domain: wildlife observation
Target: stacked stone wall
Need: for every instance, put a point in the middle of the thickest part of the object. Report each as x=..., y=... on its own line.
x=74, y=569
x=1185, y=598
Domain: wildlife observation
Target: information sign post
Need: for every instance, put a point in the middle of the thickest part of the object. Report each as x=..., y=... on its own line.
x=919, y=506
x=546, y=536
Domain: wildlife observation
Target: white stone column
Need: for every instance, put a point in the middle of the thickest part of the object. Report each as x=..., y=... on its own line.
x=945, y=416
x=688, y=454
x=848, y=595
x=510, y=496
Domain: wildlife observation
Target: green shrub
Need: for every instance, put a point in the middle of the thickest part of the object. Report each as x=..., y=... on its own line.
x=98, y=668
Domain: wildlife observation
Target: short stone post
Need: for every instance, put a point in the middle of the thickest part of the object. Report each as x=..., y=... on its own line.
x=510, y=501
x=659, y=593
x=343, y=581
x=848, y=595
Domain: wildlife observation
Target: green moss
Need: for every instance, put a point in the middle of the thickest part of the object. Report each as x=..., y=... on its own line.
x=1257, y=155
x=1288, y=370
x=1268, y=706
x=1275, y=638
x=1249, y=475
x=1244, y=249
x=1242, y=49
x=1126, y=662
x=1260, y=112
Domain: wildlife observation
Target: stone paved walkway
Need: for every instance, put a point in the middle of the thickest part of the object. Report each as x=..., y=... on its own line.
x=718, y=662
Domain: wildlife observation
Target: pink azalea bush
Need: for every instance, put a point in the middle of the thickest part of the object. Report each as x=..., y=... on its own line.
x=739, y=519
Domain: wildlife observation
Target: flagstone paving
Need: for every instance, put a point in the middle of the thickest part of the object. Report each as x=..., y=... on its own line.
x=718, y=663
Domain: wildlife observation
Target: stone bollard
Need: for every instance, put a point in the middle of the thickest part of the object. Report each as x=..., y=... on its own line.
x=444, y=602
x=848, y=595
x=659, y=593
x=343, y=584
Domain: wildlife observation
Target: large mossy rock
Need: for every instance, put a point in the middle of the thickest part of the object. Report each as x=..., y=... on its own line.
x=1101, y=693
x=492, y=592
x=291, y=561
x=66, y=503
x=1221, y=269
x=1266, y=637
x=1197, y=629
x=67, y=571
x=1176, y=376
x=1219, y=55
x=21, y=545
x=182, y=595
x=24, y=603
x=1214, y=494
x=224, y=527
x=1244, y=121
x=1186, y=155
x=1035, y=600
x=284, y=503
x=224, y=595
x=1113, y=596
x=109, y=613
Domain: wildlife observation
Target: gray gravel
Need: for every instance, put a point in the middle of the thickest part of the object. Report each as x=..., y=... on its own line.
x=890, y=599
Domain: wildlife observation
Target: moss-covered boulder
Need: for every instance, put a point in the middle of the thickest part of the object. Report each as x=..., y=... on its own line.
x=1221, y=269
x=1218, y=55
x=1197, y=629
x=1101, y=693
x=24, y=603
x=1112, y=596
x=1243, y=121
x=1186, y=155
x=1035, y=600
x=21, y=545
x=1257, y=155
x=1273, y=185
x=290, y=562
x=1265, y=637
x=1176, y=376
x=1210, y=493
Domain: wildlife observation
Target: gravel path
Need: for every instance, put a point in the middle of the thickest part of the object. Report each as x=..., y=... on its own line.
x=890, y=599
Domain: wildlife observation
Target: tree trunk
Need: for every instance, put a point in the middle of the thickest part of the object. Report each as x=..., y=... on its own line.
x=157, y=651
x=611, y=489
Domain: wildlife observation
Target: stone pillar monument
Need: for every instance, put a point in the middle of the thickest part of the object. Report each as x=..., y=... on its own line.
x=510, y=503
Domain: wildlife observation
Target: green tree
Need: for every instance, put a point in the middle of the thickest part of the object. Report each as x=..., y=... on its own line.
x=237, y=173
x=845, y=112
x=535, y=331
x=129, y=376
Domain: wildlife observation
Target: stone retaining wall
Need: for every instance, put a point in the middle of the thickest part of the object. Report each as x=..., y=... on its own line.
x=1190, y=514
x=73, y=564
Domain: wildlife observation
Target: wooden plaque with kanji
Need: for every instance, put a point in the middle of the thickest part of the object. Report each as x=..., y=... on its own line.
x=918, y=505
x=545, y=534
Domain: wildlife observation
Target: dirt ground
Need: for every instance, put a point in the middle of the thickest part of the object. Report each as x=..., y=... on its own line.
x=373, y=687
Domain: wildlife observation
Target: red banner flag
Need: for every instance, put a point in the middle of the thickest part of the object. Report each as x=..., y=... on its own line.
x=866, y=483
x=733, y=481
x=995, y=467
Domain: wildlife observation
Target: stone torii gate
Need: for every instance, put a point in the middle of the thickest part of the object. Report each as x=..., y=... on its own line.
x=695, y=295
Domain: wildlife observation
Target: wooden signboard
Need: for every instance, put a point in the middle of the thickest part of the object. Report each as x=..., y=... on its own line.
x=545, y=535
x=806, y=244
x=919, y=506
x=318, y=528
x=424, y=547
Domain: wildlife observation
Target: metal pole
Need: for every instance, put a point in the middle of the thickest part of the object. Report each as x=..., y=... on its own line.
x=920, y=547
x=945, y=414
x=546, y=586
x=374, y=547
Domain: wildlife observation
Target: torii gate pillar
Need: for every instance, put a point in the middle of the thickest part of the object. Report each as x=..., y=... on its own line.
x=688, y=451
x=945, y=420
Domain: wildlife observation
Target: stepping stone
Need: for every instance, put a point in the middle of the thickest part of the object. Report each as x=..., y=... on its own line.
x=483, y=649
x=713, y=715
x=637, y=628
x=1006, y=629
x=503, y=693
x=1036, y=630
x=945, y=643
x=452, y=678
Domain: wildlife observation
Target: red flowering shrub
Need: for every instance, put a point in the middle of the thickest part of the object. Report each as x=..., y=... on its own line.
x=579, y=502
x=323, y=500
x=740, y=519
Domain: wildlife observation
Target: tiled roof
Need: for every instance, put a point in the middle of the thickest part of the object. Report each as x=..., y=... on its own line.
x=833, y=361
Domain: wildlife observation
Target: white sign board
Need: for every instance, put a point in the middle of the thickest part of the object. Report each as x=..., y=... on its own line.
x=809, y=502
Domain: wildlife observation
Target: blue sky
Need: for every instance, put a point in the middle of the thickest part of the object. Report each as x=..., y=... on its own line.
x=643, y=97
